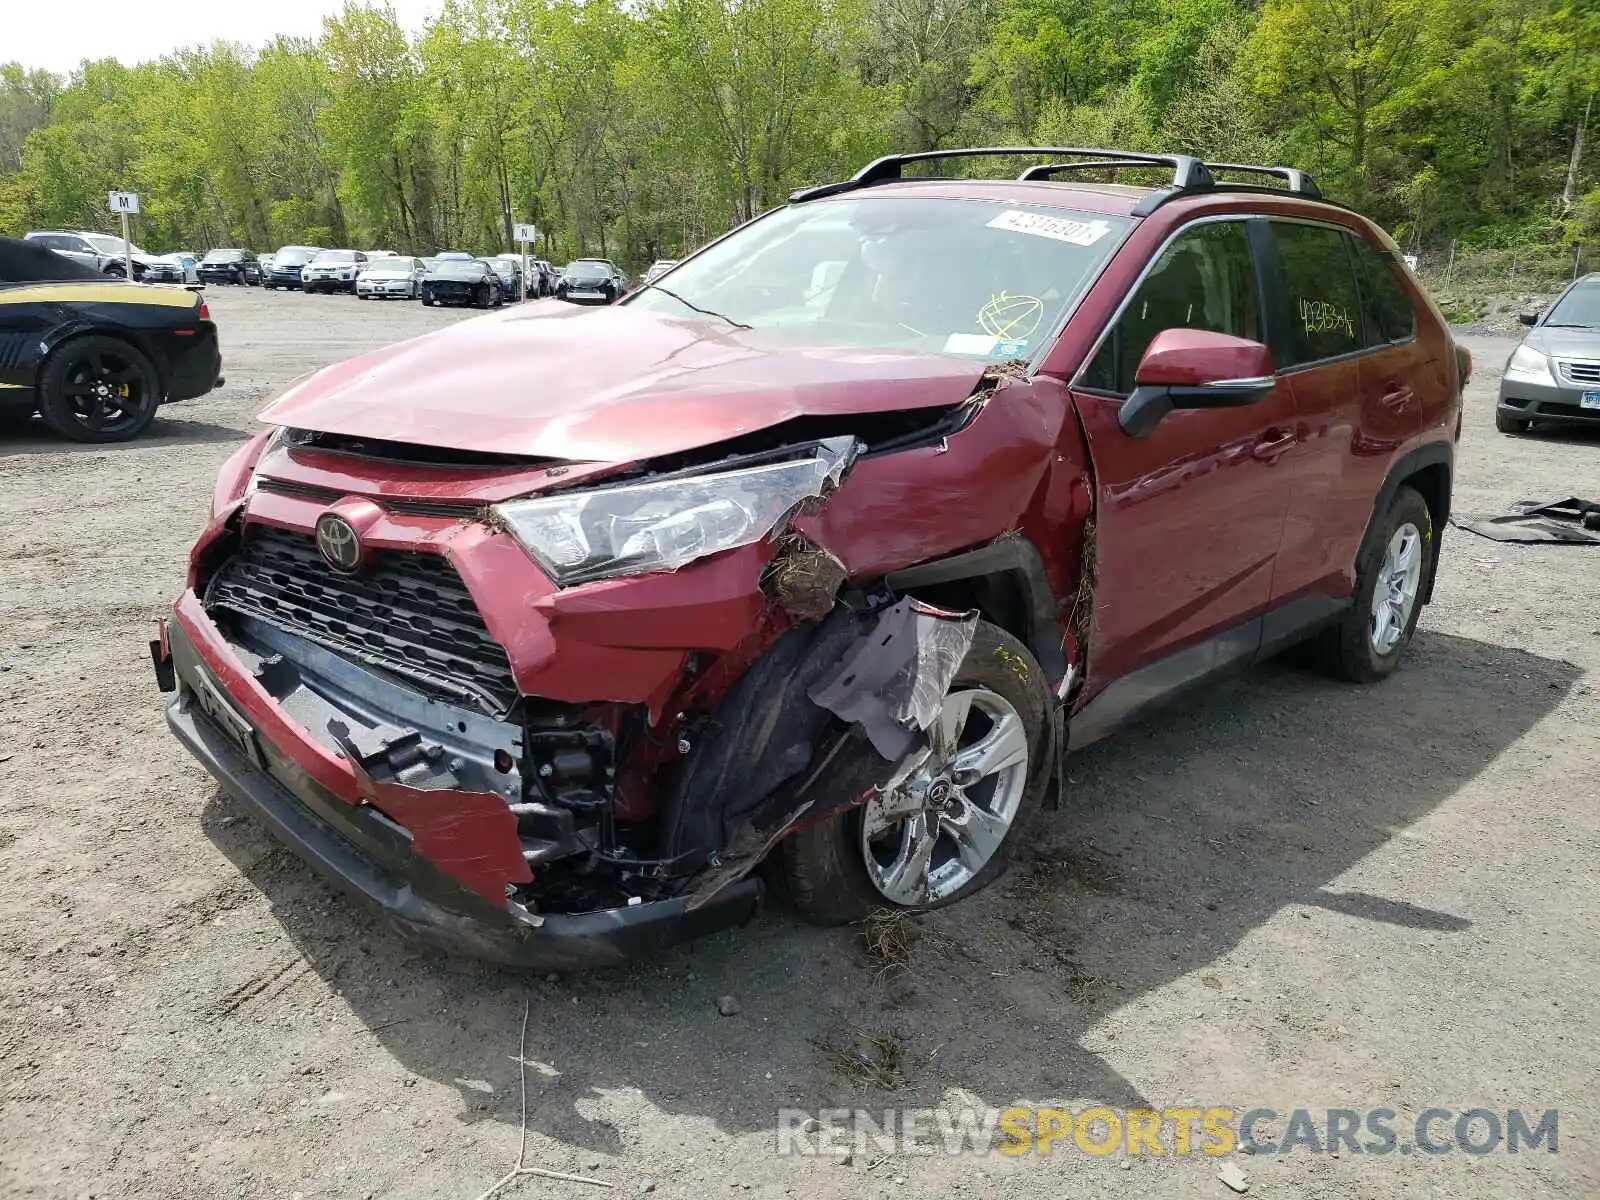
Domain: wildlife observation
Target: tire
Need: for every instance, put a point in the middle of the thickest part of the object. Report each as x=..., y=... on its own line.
x=427, y=299
x=68, y=403
x=1347, y=651
x=1508, y=424
x=823, y=869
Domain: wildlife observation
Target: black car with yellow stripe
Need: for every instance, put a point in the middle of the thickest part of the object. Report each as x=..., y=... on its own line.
x=94, y=357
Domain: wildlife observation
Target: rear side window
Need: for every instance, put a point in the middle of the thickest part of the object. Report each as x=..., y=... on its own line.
x=1205, y=279
x=1384, y=302
x=1324, y=307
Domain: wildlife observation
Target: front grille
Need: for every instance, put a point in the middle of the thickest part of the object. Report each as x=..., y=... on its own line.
x=453, y=509
x=1584, y=374
x=408, y=614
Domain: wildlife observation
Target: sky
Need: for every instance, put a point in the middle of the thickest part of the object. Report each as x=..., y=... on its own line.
x=61, y=33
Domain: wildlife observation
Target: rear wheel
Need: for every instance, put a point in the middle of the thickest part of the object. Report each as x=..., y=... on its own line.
x=951, y=828
x=1391, y=571
x=1510, y=424
x=98, y=389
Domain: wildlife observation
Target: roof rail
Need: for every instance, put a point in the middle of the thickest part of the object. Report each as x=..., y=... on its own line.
x=1298, y=181
x=1188, y=173
x=1050, y=170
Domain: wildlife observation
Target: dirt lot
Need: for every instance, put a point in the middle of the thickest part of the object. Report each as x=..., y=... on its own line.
x=1289, y=893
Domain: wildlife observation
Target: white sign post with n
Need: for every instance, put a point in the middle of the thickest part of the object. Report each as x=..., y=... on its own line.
x=525, y=236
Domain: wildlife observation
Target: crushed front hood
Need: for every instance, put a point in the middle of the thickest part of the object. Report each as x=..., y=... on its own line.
x=549, y=380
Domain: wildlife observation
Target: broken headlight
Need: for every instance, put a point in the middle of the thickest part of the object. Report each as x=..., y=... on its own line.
x=661, y=525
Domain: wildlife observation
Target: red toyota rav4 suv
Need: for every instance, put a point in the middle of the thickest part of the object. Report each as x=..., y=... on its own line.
x=545, y=630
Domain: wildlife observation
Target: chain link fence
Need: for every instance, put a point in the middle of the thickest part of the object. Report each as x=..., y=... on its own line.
x=1489, y=286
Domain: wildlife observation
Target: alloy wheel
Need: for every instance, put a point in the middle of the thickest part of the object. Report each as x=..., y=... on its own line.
x=108, y=391
x=1394, y=591
x=944, y=818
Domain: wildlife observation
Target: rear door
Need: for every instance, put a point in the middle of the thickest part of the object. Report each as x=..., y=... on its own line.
x=1189, y=519
x=1345, y=345
x=1318, y=343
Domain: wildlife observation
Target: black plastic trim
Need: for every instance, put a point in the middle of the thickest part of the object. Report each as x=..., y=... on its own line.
x=1432, y=455
x=1017, y=557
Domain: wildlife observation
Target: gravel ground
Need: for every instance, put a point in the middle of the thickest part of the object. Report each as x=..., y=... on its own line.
x=1286, y=893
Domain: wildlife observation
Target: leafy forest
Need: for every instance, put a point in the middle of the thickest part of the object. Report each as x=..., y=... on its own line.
x=641, y=128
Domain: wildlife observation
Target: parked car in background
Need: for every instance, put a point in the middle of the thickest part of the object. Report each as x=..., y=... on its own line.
x=591, y=281
x=95, y=357
x=658, y=268
x=332, y=271
x=230, y=266
x=372, y=254
x=462, y=281
x=173, y=268
x=539, y=281
x=452, y=254
x=510, y=272
x=99, y=250
x=734, y=571
x=287, y=263
x=265, y=261
x=1554, y=373
x=393, y=277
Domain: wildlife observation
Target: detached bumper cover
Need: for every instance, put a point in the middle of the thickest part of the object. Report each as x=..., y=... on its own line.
x=370, y=856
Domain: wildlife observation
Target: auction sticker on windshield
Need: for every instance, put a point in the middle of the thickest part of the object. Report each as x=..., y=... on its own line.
x=1061, y=229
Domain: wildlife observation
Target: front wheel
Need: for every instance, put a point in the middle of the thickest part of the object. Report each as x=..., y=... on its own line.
x=1509, y=424
x=98, y=389
x=952, y=827
x=1391, y=574
x=427, y=299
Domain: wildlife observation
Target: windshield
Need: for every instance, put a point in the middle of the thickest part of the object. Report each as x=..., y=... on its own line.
x=335, y=256
x=392, y=266
x=588, y=268
x=289, y=257
x=979, y=278
x=107, y=244
x=502, y=267
x=1579, y=308
x=223, y=256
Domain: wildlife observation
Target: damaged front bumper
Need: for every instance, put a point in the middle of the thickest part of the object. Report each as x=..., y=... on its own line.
x=358, y=848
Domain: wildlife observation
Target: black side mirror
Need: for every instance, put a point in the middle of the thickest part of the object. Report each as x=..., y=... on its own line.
x=1529, y=316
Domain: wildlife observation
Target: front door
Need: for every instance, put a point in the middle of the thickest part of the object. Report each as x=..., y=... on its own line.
x=1188, y=519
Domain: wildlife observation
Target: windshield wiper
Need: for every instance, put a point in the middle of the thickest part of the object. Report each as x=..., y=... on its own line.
x=691, y=304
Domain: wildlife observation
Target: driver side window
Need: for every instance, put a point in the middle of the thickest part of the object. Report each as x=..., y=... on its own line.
x=1205, y=279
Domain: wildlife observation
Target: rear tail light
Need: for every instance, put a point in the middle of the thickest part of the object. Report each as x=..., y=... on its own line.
x=205, y=311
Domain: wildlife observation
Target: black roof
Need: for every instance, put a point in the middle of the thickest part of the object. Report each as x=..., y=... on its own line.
x=23, y=261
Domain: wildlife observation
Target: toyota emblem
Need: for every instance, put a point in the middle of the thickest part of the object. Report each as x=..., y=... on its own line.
x=338, y=543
